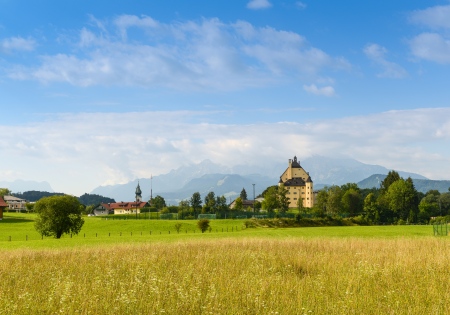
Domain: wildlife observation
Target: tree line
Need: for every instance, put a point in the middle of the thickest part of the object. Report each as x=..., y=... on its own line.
x=396, y=201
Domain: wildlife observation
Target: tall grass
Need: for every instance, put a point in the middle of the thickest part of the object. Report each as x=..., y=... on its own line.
x=232, y=276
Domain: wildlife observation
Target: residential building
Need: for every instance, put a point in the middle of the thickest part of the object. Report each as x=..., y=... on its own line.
x=15, y=203
x=122, y=207
x=298, y=184
x=3, y=206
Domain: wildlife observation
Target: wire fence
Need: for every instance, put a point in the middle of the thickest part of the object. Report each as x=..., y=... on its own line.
x=124, y=234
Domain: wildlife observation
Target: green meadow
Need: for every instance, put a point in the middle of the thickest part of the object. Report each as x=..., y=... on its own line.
x=111, y=268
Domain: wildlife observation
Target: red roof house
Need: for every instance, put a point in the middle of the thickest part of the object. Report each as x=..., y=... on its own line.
x=3, y=205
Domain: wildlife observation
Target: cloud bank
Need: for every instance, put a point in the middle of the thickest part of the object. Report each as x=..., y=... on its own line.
x=82, y=151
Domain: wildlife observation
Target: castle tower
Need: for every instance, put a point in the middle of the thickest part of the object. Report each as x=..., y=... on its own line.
x=298, y=184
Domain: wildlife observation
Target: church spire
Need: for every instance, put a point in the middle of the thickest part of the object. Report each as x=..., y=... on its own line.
x=138, y=193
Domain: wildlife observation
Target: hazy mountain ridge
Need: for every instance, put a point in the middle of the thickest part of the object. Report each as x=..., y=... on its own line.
x=207, y=176
x=20, y=185
x=422, y=185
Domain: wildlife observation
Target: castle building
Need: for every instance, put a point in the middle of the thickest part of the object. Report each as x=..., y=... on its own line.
x=298, y=184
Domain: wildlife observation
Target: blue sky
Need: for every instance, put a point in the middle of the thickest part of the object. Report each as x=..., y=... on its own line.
x=103, y=92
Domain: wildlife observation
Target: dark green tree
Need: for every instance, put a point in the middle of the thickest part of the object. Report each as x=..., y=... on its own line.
x=58, y=215
x=221, y=204
x=334, y=204
x=444, y=204
x=283, y=200
x=270, y=202
x=320, y=206
x=203, y=225
x=391, y=178
x=371, y=208
x=196, y=202
x=243, y=194
x=429, y=207
x=210, y=203
x=158, y=202
x=402, y=199
x=352, y=202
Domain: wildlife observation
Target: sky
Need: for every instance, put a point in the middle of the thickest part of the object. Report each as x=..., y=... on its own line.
x=104, y=92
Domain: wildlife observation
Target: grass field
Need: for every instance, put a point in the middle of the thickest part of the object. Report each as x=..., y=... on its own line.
x=327, y=270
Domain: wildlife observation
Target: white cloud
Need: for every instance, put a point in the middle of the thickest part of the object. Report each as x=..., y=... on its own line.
x=325, y=91
x=258, y=4
x=186, y=56
x=301, y=5
x=124, y=22
x=432, y=47
x=433, y=17
x=77, y=152
x=377, y=54
x=17, y=44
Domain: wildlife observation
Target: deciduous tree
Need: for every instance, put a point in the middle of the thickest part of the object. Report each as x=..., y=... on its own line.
x=58, y=215
x=158, y=202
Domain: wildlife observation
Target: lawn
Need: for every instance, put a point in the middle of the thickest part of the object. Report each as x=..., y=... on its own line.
x=323, y=270
x=17, y=231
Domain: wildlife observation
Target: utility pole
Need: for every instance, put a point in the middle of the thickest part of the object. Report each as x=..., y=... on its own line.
x=253, y=198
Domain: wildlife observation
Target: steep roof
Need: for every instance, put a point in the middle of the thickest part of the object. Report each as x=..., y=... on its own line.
x=296, y=181
x=295, y=164
x=2, y=202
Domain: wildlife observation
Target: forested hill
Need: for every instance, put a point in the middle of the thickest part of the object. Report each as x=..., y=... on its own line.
x=34, y=195
x=93, y=199
x=86, y=199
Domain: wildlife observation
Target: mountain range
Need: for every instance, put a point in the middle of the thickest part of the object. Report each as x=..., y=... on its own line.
x=19, y=185
x=181, y=183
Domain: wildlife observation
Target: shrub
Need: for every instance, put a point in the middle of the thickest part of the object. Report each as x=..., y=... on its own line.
x=203, y=225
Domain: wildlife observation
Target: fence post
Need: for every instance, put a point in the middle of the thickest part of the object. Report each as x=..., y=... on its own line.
x=10, y=238
x=26, y=238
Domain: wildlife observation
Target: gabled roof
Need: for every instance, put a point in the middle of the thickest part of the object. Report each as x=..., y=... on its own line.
x=12, y=198
x=124, y=205
x=2, y=202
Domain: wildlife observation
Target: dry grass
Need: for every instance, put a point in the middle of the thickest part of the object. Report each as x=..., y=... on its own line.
x=232, y=276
